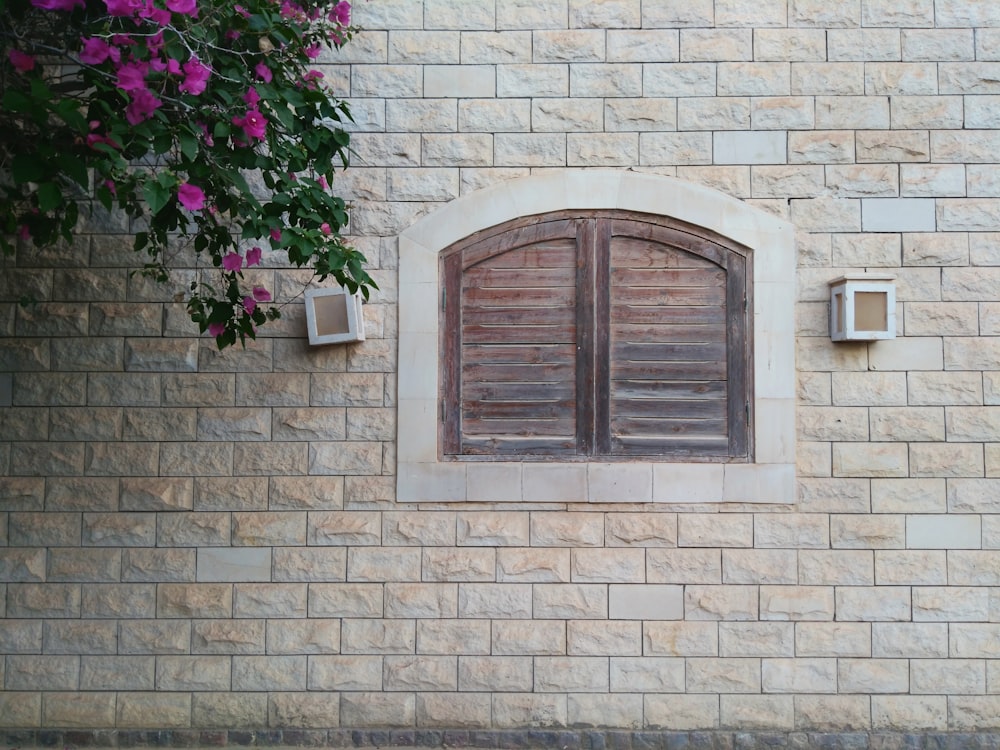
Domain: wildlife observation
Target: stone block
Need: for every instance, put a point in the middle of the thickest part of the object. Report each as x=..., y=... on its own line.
x=493, y=115
x=266, y=529
x=645, y=602
x=972, y=713
x=600, y=638
x=154, y=637
x=196, y=459
x=46, y=600
x=487, y=600
x=378, y=709
x=771, y=566
x=759, y=147
x=793, y=530
x=502, y=674
x=378, y=636
x=453, y=636
x=232, y=564
x=713, y=675
x=223, y=710
x=109, y=672
x=454, y=710
x=38, y=672
x=945, y=388
x=202, y=600
x=912, y=712
x=801, y=675
x=833, y=639
x=528, y=565
x=193, y=673
x=946, y=460
x=870, y=460
x=222, y=636
x=307, y=564
x=756, y=639
x=837, y=567
x=305, y=710
x=715, y=530
x=421, y=673
x=384, y=564
x=345, y=673
x=570, y=601
x=76, y=710
x=268, y=600
x=832, y=713
x=950, y=604
x=306, y=493
x=492, y=529
x=608, y=565
x=641, y=529
x=520, y=710
x=910, y=567
x=272, y=672
x=973, y=568
x=529, y=637
x=796, y=603
x=310, y=636
x=345, y=600
x=455, y=564
x=873, y=604
x=21, y=710
x=910, y=640
x=84, y=565
x=580, y=674
x=873, y=675
x=721, y=602
x=943, y=532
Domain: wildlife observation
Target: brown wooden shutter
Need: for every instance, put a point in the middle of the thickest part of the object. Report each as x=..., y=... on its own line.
x=596, y=334
x=511, y=383
x=675, y=339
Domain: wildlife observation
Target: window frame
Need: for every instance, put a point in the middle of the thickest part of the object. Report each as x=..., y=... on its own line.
x=592, y=233
x=422, y=477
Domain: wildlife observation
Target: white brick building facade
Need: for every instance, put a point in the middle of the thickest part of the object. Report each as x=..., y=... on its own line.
x=204, y=540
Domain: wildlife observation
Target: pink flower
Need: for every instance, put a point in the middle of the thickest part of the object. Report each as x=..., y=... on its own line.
x=276, y=235
x=110, y=185
x=95, y=51
x=323, y=183
x=253, y=256
x=157, y=15
x=261, y=294
x=206, y=134
x=191, y=196
x=155, y=42
x=22, y=61
x=132, y=76
x=142, y=106
x=249, y=304
x=66, y=5
x=313, y=51
x=122, y=7
x=254, y=124
x=242, y=11
x=216, y=329
x=196, y=77
x=184, y=7
x=174, y=67
x=251, y=97
x=232, y=261
x=325, y=228
x=263, y=72
x=341, y=13
x=23, y=232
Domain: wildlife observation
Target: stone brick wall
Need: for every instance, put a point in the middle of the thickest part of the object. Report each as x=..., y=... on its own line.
x=203, y=540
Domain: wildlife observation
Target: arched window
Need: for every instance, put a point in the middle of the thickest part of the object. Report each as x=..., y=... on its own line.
x=596, y=336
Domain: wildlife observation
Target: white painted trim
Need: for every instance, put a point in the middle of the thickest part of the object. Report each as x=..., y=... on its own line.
x=421, y=477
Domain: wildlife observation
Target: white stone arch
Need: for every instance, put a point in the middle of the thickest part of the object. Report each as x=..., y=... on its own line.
x=422, y=477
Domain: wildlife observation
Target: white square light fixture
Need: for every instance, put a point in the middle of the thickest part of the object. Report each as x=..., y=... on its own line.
x=863, y=307
x=334, y=316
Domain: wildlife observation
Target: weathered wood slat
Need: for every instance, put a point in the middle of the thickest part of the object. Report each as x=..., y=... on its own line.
x=677, y=241
x=520, y=410
x=668, y=278
x=537, y=297
x=519, y=334
x=653, y=351
x=668, y=408
x=653, y=296
x=502, y=372
x=548, y=235
x=639, y=253
x=653, y=427
x=676, y=447
x=539, y=316
x=527, y=446
x=668, y=370
x=518, y=391
x=649, y=315
x=485, y=276
x=668, y=389
x=519, y=428
x=554, y=254
x=520, y=354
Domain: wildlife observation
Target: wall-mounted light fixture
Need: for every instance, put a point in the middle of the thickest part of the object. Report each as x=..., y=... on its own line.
x=863, y=307
x=333, y=316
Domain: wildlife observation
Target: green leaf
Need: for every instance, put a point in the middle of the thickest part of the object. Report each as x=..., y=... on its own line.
x=189, y=145
x=74, y=168
x=27, y=168
x=156, y=195
x=49, y=196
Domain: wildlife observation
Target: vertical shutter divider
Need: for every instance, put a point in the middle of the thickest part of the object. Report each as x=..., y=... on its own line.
x=601, y=327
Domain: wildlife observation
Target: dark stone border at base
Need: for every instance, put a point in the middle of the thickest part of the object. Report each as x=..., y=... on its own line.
x=498, y=739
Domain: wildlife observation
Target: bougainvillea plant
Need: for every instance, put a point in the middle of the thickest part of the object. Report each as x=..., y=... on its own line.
x=201, y=120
